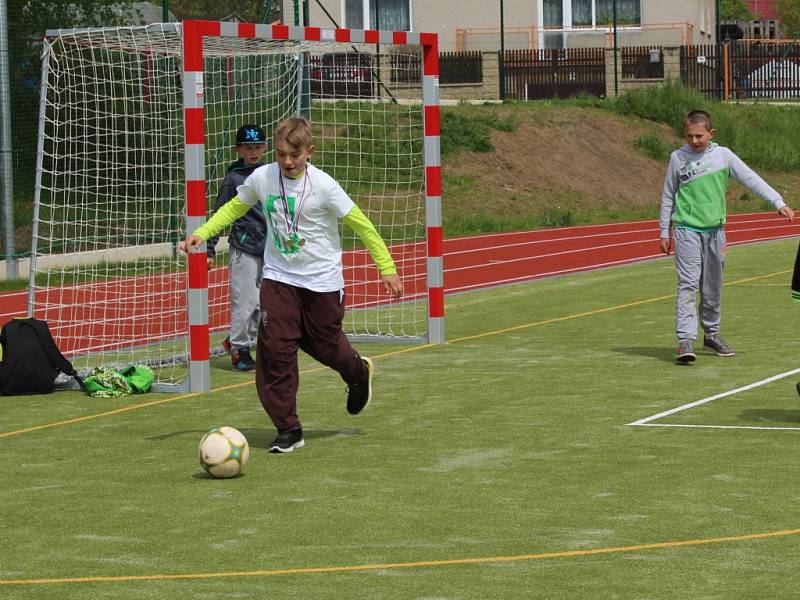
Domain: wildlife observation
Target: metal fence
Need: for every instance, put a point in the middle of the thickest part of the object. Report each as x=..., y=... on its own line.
x=454, y=68
x=642, y=62
x=762, y=69
x=743, y=69
x=701, y=68
x=461, y=67
x=533, y=74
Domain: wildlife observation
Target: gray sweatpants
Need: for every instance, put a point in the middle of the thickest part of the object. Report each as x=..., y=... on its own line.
x=245, y=280
x=699, y=261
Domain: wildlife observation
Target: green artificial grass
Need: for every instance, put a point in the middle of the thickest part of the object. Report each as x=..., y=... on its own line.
x=501, y=465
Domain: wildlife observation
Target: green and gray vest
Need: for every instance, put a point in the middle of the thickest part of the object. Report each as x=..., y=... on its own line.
x=695, y=186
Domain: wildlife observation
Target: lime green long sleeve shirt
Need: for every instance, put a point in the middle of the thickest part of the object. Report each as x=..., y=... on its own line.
x=355, y=219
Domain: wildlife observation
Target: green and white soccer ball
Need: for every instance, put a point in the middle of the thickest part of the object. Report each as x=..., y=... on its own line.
x=223, y=452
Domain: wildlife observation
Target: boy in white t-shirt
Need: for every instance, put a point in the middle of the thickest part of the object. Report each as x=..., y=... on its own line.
x=302, y=292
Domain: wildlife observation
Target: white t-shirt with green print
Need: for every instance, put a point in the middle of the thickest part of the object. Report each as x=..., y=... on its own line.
x=303, y=246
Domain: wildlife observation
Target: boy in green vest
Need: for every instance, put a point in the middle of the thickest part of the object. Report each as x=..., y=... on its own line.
x=693, y=206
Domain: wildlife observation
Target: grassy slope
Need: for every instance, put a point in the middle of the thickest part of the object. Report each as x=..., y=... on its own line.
x=552, y=163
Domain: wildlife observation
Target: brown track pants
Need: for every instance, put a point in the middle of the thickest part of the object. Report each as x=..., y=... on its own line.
x=292, y=318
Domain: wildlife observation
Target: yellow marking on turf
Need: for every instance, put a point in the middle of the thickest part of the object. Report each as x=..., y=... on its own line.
x=124, y=409
x=407, y=565
x=379, y=356
x=107, y=413
x=588, y=313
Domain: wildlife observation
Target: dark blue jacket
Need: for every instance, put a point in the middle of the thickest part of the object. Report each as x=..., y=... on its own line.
x=248, y=233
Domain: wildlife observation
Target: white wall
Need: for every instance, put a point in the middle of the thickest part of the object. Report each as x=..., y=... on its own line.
x=446, y=16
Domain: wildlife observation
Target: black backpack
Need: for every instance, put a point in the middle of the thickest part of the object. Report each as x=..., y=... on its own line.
x=30, y=361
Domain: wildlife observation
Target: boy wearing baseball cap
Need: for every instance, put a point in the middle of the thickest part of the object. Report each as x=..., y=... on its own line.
x=246, y=239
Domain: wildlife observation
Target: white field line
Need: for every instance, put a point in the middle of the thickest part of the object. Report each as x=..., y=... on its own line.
x=719, y=426
x=683, y=407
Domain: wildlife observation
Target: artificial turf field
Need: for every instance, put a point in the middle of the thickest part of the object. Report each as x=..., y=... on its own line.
x=502, y=465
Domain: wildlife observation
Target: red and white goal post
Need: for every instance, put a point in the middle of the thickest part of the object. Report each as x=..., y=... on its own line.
x=137, y=129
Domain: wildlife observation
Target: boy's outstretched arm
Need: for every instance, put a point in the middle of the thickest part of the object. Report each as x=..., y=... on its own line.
x=231, y=210
x=752, y=181
x=358, y=222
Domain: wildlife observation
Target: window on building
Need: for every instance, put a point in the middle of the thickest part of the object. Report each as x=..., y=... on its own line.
x=553, y=13
x=629, y=12
x=353, y=14
x=392, y=15
x=558, y=14
x=582, y=13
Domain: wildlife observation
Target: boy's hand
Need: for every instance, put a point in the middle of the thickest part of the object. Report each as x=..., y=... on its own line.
x=392, y=285
x=666, y=245
x=787, y=212
x=191, y=242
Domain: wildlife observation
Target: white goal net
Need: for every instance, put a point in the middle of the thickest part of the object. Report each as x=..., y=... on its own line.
x=111, y=194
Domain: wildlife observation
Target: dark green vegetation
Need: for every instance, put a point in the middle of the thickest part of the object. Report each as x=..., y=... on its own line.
x=511, y=441
x=765, y=137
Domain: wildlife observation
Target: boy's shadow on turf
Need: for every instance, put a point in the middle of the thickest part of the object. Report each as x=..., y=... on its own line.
x=773, y=415
x=262, y=438
x=660, y=352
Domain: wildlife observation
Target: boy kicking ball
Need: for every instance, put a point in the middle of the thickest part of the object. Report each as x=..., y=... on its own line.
x=302, y=292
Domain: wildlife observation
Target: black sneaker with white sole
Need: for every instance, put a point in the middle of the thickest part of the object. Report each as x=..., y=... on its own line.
x=287, y=441
x=359, y=394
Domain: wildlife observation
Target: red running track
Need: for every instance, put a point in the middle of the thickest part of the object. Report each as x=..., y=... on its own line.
x=489, y=260
x=497, y=259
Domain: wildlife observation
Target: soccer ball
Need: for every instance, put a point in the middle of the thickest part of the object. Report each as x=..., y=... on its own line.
x=223, y=452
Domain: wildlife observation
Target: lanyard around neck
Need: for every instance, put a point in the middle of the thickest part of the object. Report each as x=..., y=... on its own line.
x=292, y=222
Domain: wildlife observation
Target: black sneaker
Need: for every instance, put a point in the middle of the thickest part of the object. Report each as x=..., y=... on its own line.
x=718, y=345
x=685, y=351
x=359, y=394
x=242, y=360
x=287, y=441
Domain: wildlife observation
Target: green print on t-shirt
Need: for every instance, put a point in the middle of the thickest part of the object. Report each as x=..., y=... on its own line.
x=285, y=240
